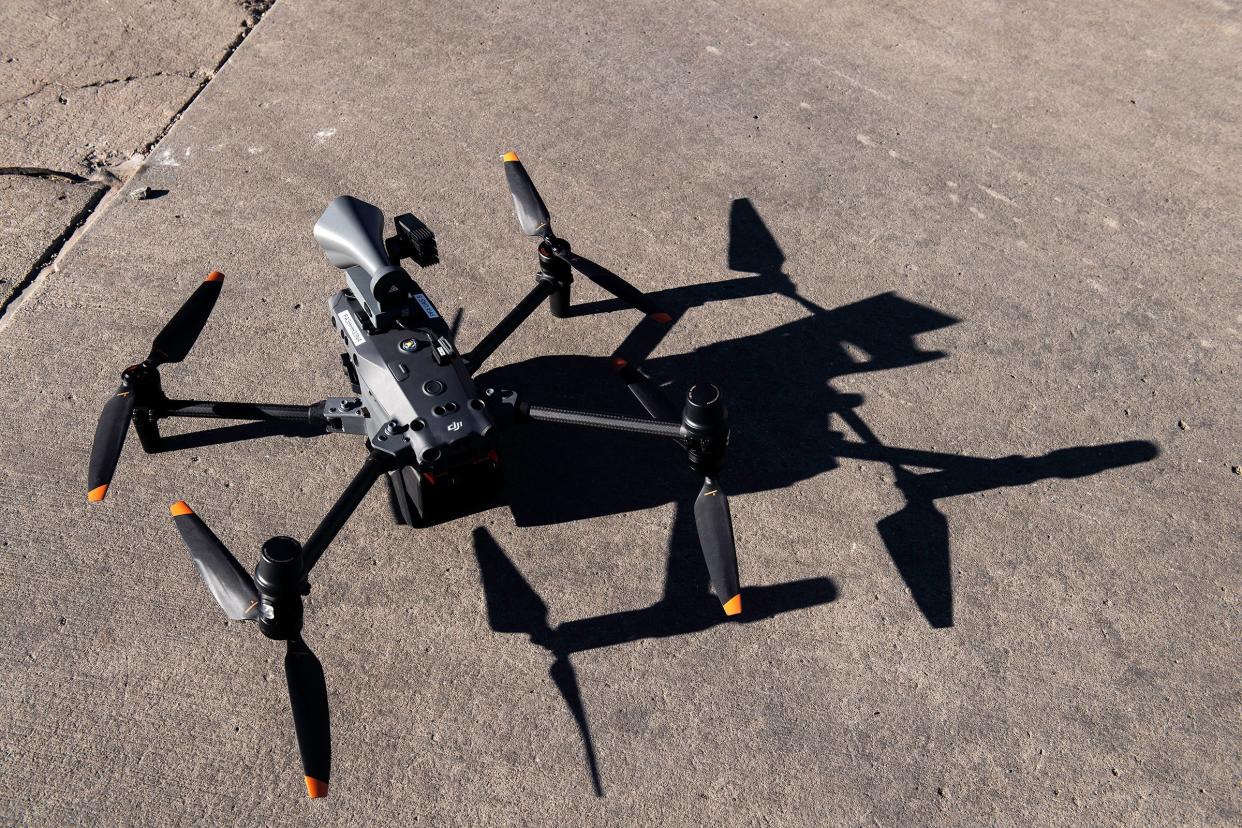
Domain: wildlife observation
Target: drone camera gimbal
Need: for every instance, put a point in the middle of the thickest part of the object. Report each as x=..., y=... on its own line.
x=429, y=431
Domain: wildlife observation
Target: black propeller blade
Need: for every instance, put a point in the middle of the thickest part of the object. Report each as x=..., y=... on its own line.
x=237, y=594
x=705, y=421
x=535, y=221
x=229, y=584
x=110, y=434
x=172, y=344
x=711, y=515
x=308, y=695
x=531, y=212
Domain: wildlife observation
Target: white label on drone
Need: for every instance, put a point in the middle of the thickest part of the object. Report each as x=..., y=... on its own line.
x=427, y=307
x=351, y=327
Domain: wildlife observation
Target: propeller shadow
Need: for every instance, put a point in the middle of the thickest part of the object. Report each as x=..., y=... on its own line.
x=789, y=419
x=687, y=606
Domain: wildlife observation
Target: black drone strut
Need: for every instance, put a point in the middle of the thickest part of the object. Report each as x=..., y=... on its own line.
x=428, y=430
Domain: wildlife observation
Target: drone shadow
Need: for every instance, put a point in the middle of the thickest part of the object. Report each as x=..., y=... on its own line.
x=779, y=387
x=687, y=606
x=789, y=425
x=782, y=404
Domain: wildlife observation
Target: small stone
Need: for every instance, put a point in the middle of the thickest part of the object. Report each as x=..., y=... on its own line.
x=1116, y=772
x=940, y=792
x=1182, y=425
x=1236, y=469
x=140, y=194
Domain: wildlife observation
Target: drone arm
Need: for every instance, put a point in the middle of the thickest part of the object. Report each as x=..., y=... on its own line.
x=505, y=328
x=376, y=464
x=239, y=411
x=592, y=419
x=335, y=414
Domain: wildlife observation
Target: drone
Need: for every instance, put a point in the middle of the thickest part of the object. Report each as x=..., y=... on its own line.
x=430, y=432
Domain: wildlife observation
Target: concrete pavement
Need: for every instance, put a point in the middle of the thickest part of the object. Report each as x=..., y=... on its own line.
x=86, y=89
x=969, y=277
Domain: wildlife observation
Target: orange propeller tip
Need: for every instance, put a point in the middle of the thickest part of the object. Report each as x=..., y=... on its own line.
x=214, y=276
x=510, y=156
x=619, y=363
x=315, y=788
x=180, y=508
x=734, y=605
x=662, y=318
x=97, y=494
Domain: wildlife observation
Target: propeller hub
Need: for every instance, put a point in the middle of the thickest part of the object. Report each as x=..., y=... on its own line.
x=705, y=414
x=138, y=371
x=554, y=262
x=554, y=246
x=705, y=421
x=280, y=582
x=279, y=571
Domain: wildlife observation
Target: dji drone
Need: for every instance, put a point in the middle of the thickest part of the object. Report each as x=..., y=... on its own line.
x=430, y=432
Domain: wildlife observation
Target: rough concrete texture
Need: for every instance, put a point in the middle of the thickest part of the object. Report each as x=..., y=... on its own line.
x=87, y=84
x=34, y=214
x=903, y=237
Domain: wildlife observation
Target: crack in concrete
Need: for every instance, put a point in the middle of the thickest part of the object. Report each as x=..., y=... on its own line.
x=43, y=172
x=191, y=75
x=49, y=256
x=108, y=184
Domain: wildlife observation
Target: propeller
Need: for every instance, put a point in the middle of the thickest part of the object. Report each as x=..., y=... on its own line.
x=715, y=525
x=171, y=345
x=534, y=220
x=705, y=426
x=228, y=583
x=308, y=696
x=531, y=212
x=273, y=599
x=110, y=434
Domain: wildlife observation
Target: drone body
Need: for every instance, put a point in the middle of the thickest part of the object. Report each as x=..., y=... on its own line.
x=429, y=431
x=418, y=403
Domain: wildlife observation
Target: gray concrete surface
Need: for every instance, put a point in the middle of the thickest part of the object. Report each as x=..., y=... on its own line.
x=1013, y=232
x=86, y=88
x=88, y=84
x=35, y=212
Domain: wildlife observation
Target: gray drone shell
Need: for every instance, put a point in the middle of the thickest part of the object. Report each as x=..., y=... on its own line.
x=351, y=233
